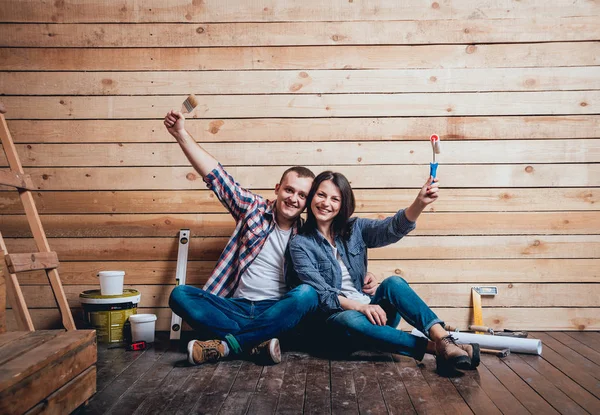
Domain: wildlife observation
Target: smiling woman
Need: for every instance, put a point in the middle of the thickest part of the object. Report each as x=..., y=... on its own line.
x=331, y=205
x=330, y=254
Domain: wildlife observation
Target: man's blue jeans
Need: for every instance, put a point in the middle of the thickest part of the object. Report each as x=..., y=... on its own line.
x=240, y=322
x=397, y=300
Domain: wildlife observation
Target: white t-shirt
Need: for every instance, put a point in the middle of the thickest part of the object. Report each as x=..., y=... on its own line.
x=348, y=289
x=264, y=279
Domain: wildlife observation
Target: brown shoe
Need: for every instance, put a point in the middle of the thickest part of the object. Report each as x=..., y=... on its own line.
x=268, y=352
x=205, y=351
x=451, y=355
x=473, y=351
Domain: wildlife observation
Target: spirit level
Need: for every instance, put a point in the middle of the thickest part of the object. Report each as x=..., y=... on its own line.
x=182, y=256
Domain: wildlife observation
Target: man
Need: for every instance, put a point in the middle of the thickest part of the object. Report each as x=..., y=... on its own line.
x=245, y=303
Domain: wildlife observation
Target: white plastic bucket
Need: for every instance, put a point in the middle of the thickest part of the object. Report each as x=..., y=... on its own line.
x=142, y=327
x=111, y=282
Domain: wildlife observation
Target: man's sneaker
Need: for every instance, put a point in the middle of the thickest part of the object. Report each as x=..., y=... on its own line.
x=473, y=351
x=451, y=355
x=268, y=352
x=205, y=351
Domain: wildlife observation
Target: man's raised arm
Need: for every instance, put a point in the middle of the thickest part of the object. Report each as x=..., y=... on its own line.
x=202, y=162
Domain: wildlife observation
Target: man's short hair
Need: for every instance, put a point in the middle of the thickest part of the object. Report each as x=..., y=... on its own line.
x=300, y=171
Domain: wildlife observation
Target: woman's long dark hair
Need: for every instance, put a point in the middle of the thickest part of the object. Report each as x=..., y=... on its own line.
x=340, y=225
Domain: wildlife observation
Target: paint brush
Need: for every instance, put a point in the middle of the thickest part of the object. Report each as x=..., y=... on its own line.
x=189, y=104
x=436, y=148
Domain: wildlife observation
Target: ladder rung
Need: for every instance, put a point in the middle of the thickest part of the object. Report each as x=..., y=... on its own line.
x=31, y=262
x=18, y=180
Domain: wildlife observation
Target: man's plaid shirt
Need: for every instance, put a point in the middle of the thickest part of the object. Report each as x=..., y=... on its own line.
x=254, y=217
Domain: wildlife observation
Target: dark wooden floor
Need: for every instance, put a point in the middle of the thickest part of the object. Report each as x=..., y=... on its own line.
x=565, y=380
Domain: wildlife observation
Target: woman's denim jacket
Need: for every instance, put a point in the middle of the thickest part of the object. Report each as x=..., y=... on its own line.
x=310, y=260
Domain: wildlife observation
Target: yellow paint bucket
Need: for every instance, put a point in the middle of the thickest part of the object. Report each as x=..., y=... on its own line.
x=108, y=314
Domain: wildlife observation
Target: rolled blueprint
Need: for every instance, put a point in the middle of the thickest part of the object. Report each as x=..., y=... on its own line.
x=515, y=344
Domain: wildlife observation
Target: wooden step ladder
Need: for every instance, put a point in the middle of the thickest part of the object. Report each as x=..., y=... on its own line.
x=44, y=371
x=45, y=259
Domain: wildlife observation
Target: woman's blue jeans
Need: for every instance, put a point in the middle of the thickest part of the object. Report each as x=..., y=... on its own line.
x=240, y=322
x=398, y=301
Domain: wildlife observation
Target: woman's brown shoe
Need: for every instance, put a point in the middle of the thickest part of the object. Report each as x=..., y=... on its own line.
x=451, y=355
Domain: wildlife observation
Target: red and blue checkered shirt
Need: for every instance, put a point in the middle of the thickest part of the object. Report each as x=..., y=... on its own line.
x=255, y=220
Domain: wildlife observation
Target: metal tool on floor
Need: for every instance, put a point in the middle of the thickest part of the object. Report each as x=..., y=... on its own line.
x=512, y=333
x=498, y=353
x=488, y=330
x=180, y=273
x=503, y=332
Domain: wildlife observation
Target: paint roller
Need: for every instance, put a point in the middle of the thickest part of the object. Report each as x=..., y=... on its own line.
x=436, y=149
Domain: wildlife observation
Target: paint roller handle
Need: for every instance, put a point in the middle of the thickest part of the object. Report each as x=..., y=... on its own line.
x=433, y=169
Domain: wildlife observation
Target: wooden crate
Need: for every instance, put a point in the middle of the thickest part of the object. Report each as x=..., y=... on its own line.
x=46, y=371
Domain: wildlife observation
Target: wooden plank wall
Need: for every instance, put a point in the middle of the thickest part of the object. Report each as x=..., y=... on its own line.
x=512, y=87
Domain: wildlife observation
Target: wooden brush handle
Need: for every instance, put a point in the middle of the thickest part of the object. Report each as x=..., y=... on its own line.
x=474, y=327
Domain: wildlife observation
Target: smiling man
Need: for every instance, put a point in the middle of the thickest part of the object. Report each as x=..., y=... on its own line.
x=245, y=304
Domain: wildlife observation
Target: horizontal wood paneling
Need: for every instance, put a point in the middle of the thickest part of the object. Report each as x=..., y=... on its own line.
x=514, y=318
x=462, y=176
x=168, y=225
x=185, y=11
x=300, y=106
x=512, y=88
x=371, y=200
x=415, y=271
x=302, y=130
x=435, y=295
x=534, y=246
x=303, y=82
x=311, y=57
x=324, y=153
x=445, y=247
x=542, y=29
x=480, y=271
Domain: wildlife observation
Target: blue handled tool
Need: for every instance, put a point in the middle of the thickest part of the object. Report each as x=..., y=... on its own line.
x=435, y=147
x=433, y=169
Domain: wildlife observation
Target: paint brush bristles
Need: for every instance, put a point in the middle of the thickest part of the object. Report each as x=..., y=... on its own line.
x=189, y=104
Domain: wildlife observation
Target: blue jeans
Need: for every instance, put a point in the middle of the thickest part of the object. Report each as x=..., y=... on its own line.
x=397, y=300
x=241, y=323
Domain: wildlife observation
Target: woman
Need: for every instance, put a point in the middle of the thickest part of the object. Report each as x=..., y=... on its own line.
x=330, y=254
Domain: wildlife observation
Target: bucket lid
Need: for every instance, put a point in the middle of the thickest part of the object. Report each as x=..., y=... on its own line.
x=95, y=297
x=142, y=318
x=111, y=273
